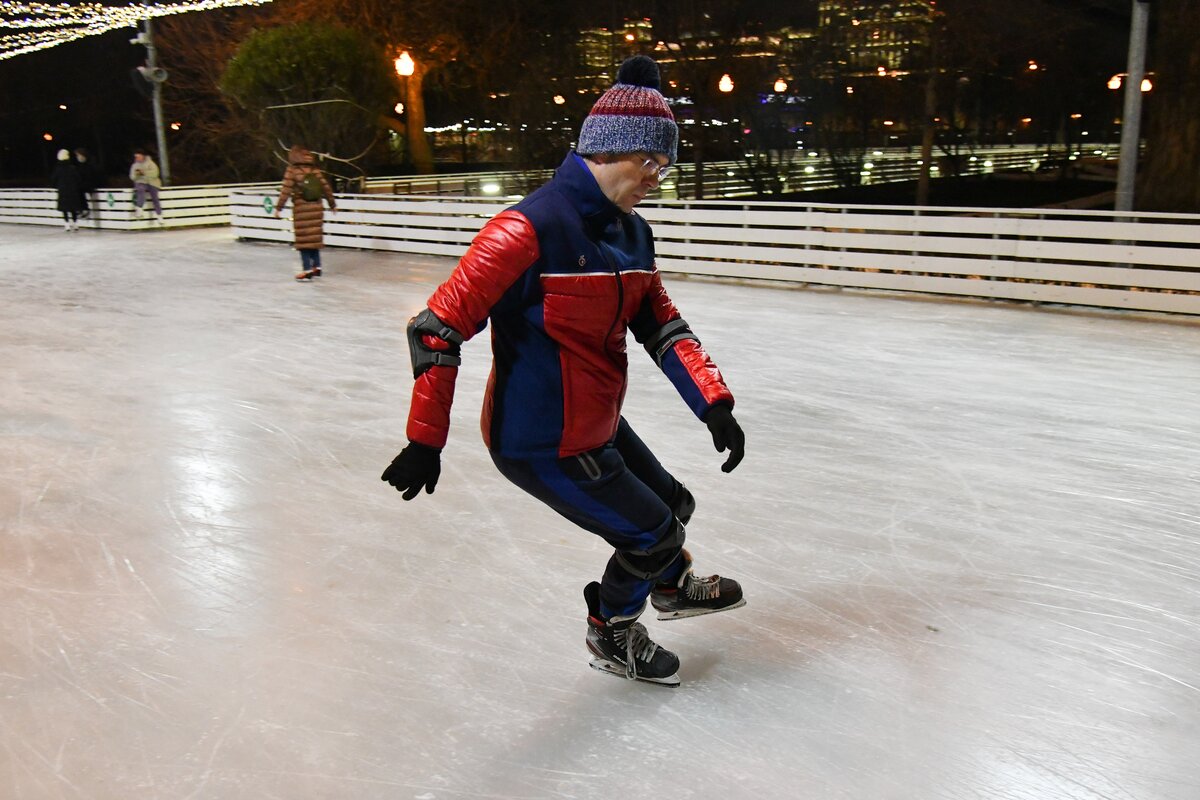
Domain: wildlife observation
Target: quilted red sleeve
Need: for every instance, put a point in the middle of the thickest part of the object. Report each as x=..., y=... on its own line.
x=686, y=363
x=500, y=253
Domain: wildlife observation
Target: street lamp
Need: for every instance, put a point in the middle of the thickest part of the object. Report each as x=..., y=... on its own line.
x=1118, y=80
x=726, y=83
x=404, y=65
x=780, y=85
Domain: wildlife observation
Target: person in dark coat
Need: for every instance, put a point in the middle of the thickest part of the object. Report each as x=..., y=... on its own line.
x=305, y=185
x=89, y=178
x=66, y=180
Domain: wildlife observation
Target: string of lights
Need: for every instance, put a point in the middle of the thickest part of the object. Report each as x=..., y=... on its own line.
x=28, y=27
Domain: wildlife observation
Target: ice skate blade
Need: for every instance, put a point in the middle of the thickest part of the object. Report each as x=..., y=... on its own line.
x=697, y=612
x=610, y=668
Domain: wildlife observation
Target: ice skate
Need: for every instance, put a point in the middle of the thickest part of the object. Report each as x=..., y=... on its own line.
x=622, y=647
x=316, y=272
x=306, y=275
x=691, y=596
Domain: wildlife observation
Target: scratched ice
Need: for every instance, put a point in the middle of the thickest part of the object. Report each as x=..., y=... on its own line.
x=969, y=535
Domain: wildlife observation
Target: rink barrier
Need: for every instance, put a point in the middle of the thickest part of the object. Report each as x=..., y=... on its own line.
x=113, y=209
x=1143, y=261
x=193, y=206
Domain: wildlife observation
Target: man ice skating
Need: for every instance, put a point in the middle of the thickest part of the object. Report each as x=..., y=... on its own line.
x=562, y=276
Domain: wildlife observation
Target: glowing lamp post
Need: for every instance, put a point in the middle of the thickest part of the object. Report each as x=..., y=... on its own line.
x=405, y=65
x=725, y=84
x=1118, y=80
x=412, y=76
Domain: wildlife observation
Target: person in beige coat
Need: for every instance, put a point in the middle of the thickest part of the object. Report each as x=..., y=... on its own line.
x=147, y=182
x=305, y=185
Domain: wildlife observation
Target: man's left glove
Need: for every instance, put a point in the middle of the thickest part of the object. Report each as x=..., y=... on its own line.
x=727, y=434
x=417, y=465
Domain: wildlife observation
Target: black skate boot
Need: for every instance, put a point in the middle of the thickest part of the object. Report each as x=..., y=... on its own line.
x=691, y=596
x=622, y=647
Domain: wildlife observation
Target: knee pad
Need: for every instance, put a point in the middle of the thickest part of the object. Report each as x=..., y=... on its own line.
x=649, y=564
x=684, y=505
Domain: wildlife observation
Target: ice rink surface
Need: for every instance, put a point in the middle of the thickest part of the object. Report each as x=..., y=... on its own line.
x=969, y=535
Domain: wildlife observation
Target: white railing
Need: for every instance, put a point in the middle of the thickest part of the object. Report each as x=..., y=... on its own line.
x=112, y=209
x=1089, y=258
x=187, y=206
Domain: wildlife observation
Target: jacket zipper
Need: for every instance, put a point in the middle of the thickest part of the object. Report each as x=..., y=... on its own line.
x=617, y=316
x=620, y=292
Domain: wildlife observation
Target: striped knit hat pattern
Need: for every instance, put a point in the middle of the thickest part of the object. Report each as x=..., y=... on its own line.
x=632, y=116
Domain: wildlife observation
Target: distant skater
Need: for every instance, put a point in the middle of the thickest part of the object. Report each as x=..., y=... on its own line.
x=305, y=185
x=89, y=178
x=69, y=185
x=563, y=277
x=146, y=183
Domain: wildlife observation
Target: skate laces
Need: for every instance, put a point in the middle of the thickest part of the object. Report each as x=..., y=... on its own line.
x=637, y=645
x=702, y=588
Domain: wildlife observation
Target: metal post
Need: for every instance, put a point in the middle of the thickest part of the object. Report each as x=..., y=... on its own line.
x=927, y=135
x=164, y=163
x=1132, y=115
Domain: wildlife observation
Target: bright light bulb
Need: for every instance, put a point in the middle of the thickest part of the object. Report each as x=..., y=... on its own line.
x=404, y=65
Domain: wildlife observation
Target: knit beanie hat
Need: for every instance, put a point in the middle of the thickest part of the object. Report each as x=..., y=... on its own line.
x=632, y=116
x=64, y=155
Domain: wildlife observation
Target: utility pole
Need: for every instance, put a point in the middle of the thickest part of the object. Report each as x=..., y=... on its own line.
x=927, y=133
x=1131, y=117
x=156, y=77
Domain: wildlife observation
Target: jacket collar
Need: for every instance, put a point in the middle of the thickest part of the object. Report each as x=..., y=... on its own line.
x=576, y=181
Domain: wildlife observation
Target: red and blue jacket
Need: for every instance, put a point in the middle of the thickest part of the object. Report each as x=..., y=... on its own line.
x=562, y=275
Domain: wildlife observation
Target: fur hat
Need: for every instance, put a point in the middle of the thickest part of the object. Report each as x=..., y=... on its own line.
x=632, y=116
x=64, y=155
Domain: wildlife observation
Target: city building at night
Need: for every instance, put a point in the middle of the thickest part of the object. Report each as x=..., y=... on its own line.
x=873, y=35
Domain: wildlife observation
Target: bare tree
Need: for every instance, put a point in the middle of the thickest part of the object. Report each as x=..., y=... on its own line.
x=217, y=140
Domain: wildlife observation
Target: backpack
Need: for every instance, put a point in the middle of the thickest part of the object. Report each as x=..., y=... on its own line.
x=310, y=188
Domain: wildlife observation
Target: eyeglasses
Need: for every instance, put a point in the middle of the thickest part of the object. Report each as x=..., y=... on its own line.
x=650, y=166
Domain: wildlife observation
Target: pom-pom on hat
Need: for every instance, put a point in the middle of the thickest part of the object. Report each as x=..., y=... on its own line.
x=64, y=155
x=632, y=116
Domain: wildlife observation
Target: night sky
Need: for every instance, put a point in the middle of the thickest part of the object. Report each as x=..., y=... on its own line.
x=105, y=114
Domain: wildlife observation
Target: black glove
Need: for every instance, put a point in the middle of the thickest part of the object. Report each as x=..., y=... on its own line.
x=726, y=433
x=417, y=465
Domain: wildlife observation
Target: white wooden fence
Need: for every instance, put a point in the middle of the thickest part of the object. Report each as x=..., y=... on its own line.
x=1089, y=258
x=112, y=209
